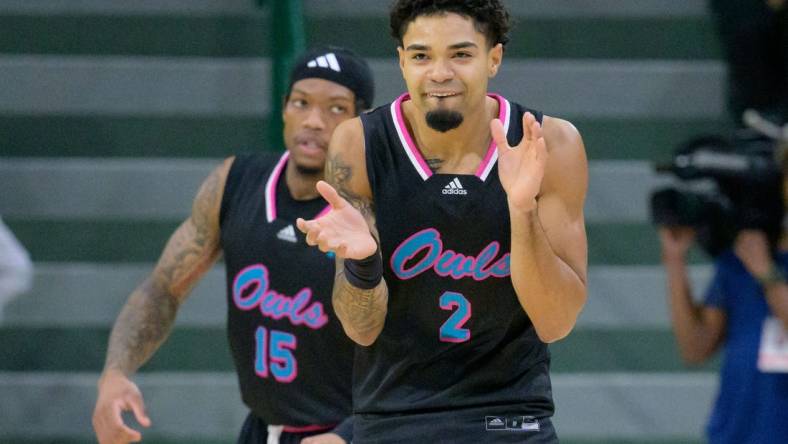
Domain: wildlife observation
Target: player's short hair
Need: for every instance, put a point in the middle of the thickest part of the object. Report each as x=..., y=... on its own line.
x=489, y=16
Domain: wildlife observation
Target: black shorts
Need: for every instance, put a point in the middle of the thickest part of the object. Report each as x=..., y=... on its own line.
x=255, y=431
x=454, y=428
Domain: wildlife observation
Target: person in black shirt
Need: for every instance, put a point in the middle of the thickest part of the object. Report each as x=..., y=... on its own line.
x=754, y=39
x=293, y=361
x=457, y=219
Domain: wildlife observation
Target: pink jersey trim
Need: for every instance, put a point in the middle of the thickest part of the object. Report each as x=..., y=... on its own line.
x=407, y=142
x=270, y=190
x=323, y=212
x=309, y=428
x=270, y=187
x=504, y=113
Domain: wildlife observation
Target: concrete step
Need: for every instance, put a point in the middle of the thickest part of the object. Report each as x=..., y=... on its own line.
x=350, y=8
x=533, y=8
x=102, y=189
x=124, y=241
x=196, y=349
x=139, y=7
x=144, y=86
x=564, y=29
x=163, y=189
x=86, y=135
x=85, y=294
x=85, y=205
x=207, y=406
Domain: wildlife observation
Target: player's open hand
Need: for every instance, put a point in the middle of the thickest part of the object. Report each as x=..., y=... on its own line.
x=343, y=230
x=116, y=394
x=521, y=168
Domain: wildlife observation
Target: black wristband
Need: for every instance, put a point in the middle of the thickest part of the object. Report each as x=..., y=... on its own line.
x=365, y=273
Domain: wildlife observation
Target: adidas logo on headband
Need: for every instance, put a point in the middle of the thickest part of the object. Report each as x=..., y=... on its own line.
x=338, y=65
x=325, y=61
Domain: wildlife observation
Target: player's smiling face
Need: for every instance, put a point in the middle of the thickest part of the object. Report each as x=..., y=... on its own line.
x=446, y=63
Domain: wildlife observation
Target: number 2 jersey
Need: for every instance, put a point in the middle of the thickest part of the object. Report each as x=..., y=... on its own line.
x=293, y=360
x=456, y=340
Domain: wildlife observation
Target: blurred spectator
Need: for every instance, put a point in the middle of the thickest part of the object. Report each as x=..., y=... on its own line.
x=754, y=37
x=744, y=312
x=16, y=270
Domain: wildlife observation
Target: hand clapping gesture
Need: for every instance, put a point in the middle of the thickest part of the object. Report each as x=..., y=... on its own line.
x=521, y=168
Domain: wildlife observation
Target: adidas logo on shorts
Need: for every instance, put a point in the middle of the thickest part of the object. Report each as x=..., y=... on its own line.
x=495, y=423
x=454, y=187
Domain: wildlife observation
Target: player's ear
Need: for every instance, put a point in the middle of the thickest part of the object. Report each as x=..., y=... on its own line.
x=401, y=55
x=494, y=59
x=284, y=105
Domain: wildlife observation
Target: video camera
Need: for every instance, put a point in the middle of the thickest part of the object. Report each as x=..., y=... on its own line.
x=726, y=185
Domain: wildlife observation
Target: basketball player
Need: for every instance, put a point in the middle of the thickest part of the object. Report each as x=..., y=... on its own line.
x=292, y=359
x=457, y=217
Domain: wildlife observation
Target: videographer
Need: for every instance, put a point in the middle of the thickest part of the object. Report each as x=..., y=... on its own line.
x=749, y=287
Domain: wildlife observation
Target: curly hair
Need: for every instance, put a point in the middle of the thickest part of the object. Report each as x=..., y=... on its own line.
x=489, y=16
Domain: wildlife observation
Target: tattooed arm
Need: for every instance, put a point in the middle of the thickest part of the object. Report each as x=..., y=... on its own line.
x=193, y=248
x=146, y=319
x=349, y=230
x=362, y=312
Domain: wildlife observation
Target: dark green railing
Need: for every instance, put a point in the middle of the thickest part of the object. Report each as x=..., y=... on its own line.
x=288, y=40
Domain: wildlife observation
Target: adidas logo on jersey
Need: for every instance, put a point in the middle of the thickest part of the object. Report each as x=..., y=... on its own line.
x=325, y=61
x=454, y=187
x=287, y=234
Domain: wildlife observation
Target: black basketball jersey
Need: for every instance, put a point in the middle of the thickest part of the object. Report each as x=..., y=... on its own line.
x=293, y=360
x=455, y=339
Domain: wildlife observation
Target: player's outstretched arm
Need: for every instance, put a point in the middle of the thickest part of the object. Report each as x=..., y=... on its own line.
x=360, y=294
x=545, y=178
x=146, y=319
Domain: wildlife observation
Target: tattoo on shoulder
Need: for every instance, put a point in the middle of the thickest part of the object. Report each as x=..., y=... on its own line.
x=338, y=174
x=194, y=245
x=148, y=316
x=208, y=199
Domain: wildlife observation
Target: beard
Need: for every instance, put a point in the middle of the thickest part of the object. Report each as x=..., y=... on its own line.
x=443, y=119
x=308, y=171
